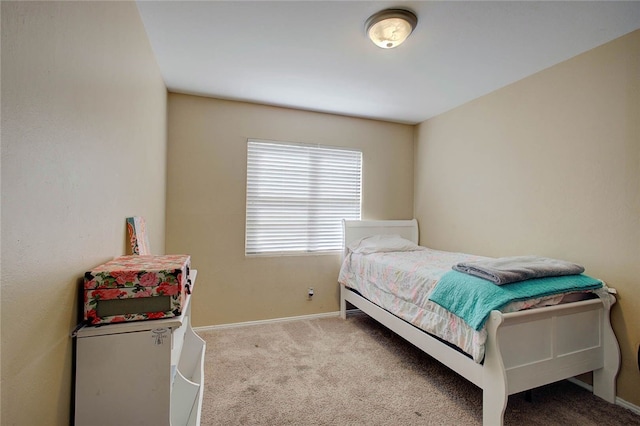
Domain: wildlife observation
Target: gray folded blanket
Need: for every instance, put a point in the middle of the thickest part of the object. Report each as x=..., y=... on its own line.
x=505, y=270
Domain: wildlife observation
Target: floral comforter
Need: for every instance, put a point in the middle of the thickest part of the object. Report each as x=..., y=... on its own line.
x=401, y=282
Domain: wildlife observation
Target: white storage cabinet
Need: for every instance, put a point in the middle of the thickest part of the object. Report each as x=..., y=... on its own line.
x=140, y=373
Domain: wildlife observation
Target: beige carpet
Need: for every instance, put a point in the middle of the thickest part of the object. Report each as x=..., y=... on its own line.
x=355, y=372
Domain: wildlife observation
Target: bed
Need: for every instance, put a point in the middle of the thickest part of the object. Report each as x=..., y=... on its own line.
x=519, y=350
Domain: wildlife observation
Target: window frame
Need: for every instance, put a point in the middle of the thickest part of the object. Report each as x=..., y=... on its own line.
x=330, y=187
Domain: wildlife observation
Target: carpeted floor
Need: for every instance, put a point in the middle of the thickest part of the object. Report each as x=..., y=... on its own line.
x=333, y=372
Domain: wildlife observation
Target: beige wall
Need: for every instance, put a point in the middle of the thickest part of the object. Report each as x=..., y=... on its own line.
x=549, y=165
x=83, y=147
x=206, y=202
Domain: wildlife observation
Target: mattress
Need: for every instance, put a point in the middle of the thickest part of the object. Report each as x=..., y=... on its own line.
x=401, y=282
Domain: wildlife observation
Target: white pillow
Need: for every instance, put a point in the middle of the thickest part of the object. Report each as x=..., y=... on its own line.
x=381, y=244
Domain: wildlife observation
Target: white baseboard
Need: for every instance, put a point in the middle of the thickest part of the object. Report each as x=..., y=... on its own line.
x=619, y=401
x=269, y=321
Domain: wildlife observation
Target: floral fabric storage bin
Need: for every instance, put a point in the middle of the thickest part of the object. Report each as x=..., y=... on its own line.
x=134, y=288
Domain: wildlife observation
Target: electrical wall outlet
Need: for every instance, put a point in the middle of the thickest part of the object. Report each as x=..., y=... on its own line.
x=310, y=293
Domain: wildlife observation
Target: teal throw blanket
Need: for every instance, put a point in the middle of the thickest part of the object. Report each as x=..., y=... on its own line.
x=472, y=298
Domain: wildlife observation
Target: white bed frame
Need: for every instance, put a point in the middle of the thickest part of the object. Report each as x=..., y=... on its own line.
x=524, y=349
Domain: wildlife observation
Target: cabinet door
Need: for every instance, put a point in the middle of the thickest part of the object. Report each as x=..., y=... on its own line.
x=124, y=379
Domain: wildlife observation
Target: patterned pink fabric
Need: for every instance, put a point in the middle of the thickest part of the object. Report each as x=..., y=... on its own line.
x=135, y=276
x=401, y=282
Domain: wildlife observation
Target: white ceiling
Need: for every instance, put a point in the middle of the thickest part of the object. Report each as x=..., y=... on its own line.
x=314, y=55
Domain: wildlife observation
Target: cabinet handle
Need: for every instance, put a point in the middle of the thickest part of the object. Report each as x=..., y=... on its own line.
x=159, y=335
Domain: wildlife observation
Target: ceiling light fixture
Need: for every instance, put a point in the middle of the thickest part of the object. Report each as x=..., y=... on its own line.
x=390, y=27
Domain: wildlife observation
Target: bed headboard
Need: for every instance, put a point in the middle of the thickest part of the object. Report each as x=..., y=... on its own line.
x=355, y=229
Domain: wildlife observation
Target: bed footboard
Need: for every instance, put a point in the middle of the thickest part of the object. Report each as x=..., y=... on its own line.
x=604, y=379
x=532, y=348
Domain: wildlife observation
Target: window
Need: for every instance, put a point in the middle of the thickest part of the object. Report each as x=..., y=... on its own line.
x=297, y=195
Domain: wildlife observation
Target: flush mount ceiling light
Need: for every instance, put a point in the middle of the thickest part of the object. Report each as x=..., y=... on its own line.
x=390, y=27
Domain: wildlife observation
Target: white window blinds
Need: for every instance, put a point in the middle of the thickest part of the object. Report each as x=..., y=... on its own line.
x=297, y=195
